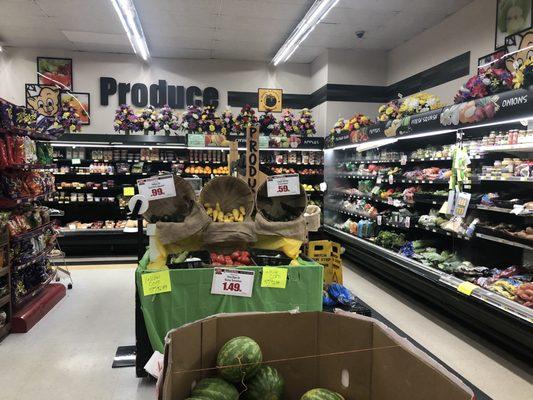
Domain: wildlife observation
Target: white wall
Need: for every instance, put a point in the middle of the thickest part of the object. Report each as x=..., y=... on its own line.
x=469, y=29
x=18, y=66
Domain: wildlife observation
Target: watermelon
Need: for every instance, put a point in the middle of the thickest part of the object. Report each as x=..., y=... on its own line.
x=321, y=394
x=214, y=389
x=267, y=384
x=239, y=359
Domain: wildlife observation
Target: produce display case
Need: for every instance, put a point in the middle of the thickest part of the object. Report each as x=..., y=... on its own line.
x=386, y=202
x=96, y=175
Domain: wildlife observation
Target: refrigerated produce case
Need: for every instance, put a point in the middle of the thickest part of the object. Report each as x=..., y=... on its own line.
x=384, y=202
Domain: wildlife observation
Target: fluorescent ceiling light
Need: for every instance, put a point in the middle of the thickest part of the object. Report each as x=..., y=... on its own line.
x=312, y=18
x=129, y=19
x=375, y=144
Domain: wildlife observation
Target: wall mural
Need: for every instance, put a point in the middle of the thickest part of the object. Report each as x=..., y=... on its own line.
x=55, y=71
x=43, y=99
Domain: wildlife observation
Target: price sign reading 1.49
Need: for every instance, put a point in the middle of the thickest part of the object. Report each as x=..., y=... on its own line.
x=283, y=185
x=157, y=187
x=232, y=282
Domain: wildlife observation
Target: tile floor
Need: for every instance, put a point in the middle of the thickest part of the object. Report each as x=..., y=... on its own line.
x=68, y=354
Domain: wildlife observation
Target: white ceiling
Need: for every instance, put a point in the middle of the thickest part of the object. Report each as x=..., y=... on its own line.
x=222, y=29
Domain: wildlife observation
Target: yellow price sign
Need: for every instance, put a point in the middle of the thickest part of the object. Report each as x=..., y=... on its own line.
x=466, y=288
x=156, y=282
x=274, y=277
x=129, y=191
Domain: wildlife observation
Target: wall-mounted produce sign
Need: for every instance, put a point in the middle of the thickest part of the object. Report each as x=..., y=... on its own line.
x=291, y=142
x=510, y=105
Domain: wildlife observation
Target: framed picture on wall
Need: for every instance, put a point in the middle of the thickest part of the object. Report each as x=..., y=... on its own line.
x=55, y=71
x=489, y=59
x=512, y=16
x=519, y=47
x=42, y=98
x=81, y=102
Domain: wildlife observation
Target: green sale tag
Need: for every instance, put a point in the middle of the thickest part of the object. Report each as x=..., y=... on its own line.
x=274, y=277
x=156, y=282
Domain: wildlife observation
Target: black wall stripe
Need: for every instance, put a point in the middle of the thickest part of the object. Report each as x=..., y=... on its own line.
x=447, y=71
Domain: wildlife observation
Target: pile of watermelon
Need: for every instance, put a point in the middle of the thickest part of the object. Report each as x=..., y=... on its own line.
x=239, y=364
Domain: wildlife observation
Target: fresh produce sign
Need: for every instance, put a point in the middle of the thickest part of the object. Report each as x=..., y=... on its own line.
x=513, y=104
x=232, y=282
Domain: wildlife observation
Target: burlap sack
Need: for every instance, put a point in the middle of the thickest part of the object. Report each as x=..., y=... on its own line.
x=229, y=192
x=229, y=232
x=171, y=232
x=182, y=203
x=282, y=208
x=295, y=229
x=312, y=218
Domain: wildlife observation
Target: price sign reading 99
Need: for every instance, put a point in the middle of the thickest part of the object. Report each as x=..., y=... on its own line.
x=158, y=187
x=283, y=185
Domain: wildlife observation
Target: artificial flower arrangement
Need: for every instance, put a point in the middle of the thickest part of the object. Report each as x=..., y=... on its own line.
x=389, y=111
x=306, y=123
x=208, y=121
x=268, y=124
x=67, y=119
x=168, y=120
x=125, y=120
x=287, y=126
x=488, y=81
x=148, y=120
x=190, y=120
x=357, y=122
x=418, y=103
x=227, y=122
x=245, y=119
x=523, y=75
x=26, y=118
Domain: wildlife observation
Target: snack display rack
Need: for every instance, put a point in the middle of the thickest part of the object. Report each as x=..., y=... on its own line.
x=96, y=175
x=387, y=204
x=27, y=236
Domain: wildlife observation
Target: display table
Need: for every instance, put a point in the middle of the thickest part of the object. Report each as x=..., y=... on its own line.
x=191, y=298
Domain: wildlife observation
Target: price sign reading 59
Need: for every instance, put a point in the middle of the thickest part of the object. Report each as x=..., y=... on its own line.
x=232, y=282
x=283, y=185
x=157, y=187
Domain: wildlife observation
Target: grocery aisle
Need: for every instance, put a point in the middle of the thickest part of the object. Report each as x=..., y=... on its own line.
x=68, y=354
x=493, y=372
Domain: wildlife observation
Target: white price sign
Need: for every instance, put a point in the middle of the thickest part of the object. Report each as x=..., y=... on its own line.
x=283, y=185
x=391, y=179
x=403, y=160
x=158, y=187
x=232, y=282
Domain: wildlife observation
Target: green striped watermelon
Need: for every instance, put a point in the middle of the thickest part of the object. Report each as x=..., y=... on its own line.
x=321, y=394
x=267, y=384
x=239, y=359
x=214, y=389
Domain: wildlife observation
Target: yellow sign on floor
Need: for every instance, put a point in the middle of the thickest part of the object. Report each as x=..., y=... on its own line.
x=156, y=282
x=274, y=277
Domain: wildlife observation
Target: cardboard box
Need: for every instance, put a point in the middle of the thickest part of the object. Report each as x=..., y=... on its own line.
x=358, y=357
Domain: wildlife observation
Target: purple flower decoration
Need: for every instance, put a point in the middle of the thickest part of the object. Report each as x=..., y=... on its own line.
x=125, y=120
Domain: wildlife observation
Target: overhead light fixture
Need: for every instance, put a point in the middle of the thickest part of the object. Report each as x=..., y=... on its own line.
x=127, y=14
x=312, y=18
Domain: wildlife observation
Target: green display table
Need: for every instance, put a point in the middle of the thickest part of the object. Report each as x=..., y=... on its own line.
x=190, y=298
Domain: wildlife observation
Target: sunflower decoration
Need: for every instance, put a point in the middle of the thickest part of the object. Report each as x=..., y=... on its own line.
x=191, y=120
x=523, y=75
x=268, y=124
x=245, y=119
x=389, y=111
x=207, y=121
x=287, y=124
x=226, y=121
x=306, y=123
x=418, y=103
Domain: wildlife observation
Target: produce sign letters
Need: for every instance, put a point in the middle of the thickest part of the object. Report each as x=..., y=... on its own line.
x=232, y=282
x=283, y=185
x=158, y=187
